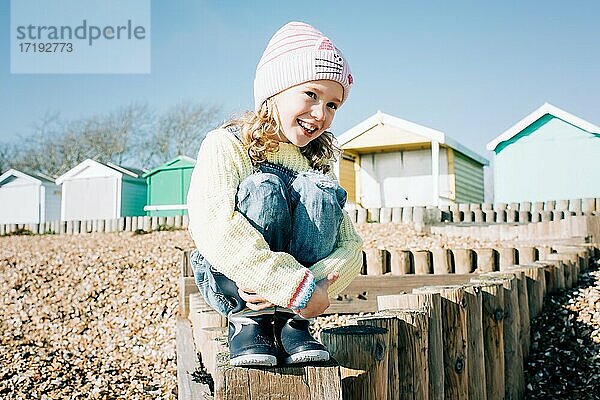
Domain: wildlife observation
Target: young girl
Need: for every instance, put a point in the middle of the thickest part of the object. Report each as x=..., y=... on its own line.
x=266, y=212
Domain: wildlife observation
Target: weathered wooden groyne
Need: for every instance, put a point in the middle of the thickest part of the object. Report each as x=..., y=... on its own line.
x=449, y=323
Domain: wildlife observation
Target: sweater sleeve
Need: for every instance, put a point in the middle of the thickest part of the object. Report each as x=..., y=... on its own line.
x=226, y=238
x=346, y=258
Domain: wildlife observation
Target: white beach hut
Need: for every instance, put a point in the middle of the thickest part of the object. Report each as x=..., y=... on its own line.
x=28, y=198
x=392, y=162
x=93, y=190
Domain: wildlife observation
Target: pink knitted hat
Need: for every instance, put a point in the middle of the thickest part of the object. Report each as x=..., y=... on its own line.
x=298, y=53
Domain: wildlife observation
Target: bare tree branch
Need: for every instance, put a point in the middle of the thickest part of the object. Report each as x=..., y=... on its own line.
x=133, y=135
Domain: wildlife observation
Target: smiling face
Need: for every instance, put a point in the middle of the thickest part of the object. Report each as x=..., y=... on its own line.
x=307, y=110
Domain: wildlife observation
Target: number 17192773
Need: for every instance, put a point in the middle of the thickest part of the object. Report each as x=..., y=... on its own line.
x=28, y=47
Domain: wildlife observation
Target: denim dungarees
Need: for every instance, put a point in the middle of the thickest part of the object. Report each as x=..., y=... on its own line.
x=296, y=212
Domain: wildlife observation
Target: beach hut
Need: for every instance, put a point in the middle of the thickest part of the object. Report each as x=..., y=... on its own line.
x=93, y=190
x=168, y=185
x=548, y=155
x=392, y=162
x=28, y=198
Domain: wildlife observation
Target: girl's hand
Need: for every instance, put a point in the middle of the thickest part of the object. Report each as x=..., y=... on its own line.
x=253, y=300
x=319, y=301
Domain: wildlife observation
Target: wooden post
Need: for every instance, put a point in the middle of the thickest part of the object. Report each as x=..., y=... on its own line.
x=397, y=379
x=511, y=215
x=408, y=371
x=490, y=216
x=571, y=264
x=202, y=316
x=463, y=261
x=577, y=261
x=514, y=378
x=456, y=214
x=422, y=262
x=146, y=223
x=441, y=264
x=69, y=227
x=361, y=216
x=524, y=216
x=478, y=216
x=362, y=352
x=407, y=215
x=523, y=310
x=454, y=326
x=185, y=267
x=375, y=261
x=431, y=304
x=170, y=222
x=397, y=215
x=583, y=255
x=373, y=214
x=501, y=216
x=294, y=382
x=526, y=254
x=466, y=212
x=536, y=287
x=178, y=221
x=400, y=262
x=550, y=274
x=385, y=215
x=475, y=355
x=187, y=285
x=210, y=350
x=187, y=363
x=134, y=223
x=563, y=272
x=485, y=260
x=493, y=339
x=543, y=251
x=162, y=221
x=507, y=257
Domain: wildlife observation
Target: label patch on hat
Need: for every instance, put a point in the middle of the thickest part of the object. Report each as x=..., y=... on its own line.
x=330, y=62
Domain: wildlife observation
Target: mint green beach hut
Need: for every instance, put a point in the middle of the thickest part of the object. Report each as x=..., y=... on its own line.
x=168, y=185
x=548, y=155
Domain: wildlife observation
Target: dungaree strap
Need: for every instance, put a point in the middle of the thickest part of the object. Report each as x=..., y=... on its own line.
x=286, y=174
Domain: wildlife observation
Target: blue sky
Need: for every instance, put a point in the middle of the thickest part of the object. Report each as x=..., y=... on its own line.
x=469, y=68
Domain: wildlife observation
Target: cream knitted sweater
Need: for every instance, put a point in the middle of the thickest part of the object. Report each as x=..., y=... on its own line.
x=235, y=248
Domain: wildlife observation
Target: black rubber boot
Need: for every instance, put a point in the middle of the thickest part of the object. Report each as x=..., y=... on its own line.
x=251, y=341
x=291, y=332
x=250, y=333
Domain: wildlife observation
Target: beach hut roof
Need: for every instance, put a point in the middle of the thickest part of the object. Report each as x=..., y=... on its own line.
x=381, y=118
x=178, y=161
x=133, y=172
x=546, y=108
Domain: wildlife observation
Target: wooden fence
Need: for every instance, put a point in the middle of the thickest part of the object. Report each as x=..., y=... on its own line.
x=462, y=336
x=489, y=213
x=494, y=215
x=124, y=224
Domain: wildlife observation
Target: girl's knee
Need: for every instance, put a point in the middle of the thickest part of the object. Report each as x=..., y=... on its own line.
x=266, y=184
x=263, y=199
x=314, y=185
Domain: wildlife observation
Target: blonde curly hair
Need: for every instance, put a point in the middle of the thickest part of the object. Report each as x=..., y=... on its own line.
x=260, y=130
